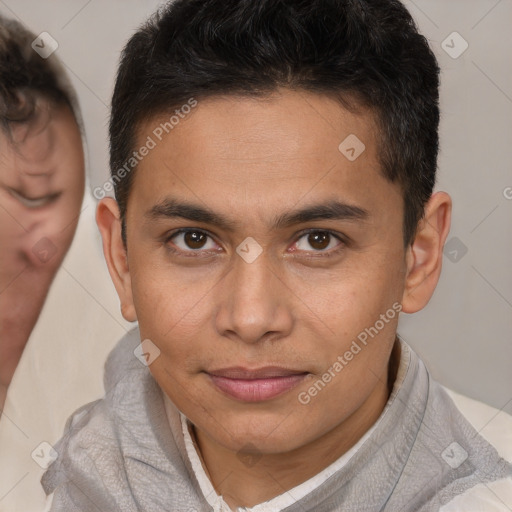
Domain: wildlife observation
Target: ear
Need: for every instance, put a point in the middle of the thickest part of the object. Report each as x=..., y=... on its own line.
x=109, y=223
x=425, y=255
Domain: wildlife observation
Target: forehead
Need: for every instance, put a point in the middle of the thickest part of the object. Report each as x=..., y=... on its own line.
x=305, y=123
x=261, y=151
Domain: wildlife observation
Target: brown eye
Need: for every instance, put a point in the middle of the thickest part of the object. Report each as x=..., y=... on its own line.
x=193, y=241
x=319, y=240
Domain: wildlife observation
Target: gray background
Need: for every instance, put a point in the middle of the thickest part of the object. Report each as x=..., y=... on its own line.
x=464, y=334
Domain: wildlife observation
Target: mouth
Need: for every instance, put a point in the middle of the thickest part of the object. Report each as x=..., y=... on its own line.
x=255, y=385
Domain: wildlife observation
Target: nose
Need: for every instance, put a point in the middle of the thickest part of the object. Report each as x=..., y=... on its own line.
x=255, y=304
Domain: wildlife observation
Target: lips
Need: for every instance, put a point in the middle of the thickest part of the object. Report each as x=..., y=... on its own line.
x=255, y=385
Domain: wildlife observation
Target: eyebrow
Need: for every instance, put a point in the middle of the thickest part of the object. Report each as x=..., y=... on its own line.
x=332, y=210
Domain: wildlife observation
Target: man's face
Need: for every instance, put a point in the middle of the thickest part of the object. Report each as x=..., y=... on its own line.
x=244, y=334
x=41, y=189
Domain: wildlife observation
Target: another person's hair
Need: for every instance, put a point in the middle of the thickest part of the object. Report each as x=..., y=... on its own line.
x=363, y=52
x=26, y=77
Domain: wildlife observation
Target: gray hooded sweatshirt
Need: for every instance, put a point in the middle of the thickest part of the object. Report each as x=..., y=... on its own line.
x=123, y=453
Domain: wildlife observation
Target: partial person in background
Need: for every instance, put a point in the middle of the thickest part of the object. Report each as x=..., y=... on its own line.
x=41, y=185
x=57, y=303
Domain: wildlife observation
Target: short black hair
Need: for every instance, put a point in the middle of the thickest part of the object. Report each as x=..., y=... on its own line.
x=364, y=52
x=25, y=77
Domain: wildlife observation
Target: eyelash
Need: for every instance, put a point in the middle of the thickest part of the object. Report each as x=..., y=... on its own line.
x=197, y=254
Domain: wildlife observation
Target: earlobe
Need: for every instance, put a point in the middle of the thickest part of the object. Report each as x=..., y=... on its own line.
x=425, y=255
x=109, y=224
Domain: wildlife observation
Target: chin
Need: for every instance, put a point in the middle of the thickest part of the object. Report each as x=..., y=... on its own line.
x=263, y=434
x=257, y=443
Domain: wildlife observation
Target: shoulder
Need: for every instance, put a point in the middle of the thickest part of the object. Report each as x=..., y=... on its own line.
x=495, y=426
x=86, y=458
x=89, y=438
x=120, y=452
x=90, y=454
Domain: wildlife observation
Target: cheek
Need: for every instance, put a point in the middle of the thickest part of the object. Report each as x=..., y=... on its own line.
x=60, y=223
x=31, y=238
x=332, y=397
x=70, y=203
x=59, y=226
x=183, y=347
x=10, y=227
x=355, y=296
x=170, y=305
x=360, y=309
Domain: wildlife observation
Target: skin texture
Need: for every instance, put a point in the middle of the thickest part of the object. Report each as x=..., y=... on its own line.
x=41, y=189
x=206, y=308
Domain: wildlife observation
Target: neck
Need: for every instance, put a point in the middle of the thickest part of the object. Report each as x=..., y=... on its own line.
x=246, y=485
